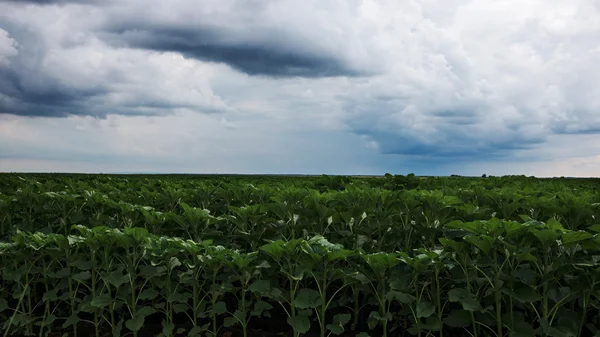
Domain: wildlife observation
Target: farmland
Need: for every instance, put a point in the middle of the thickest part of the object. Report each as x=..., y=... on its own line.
x=177, y=255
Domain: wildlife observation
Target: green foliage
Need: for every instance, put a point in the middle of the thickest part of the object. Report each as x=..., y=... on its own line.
x=391, y=256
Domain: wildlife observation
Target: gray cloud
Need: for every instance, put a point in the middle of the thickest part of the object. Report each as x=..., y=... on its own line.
x=55, y=72
x=248, y=56
x=410, y=81
x=45, y=98
x=446, y=135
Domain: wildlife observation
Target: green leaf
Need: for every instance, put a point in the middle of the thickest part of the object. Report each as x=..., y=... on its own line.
x=148, y=294
x=219, y=309
x=546, y=237
x=260, y=307
x=49, y=320
x=362, y=278
x=197, y=330
x=467, y=300
x=86, y=305
x=148, y=271
x=138, y=233
x=307, y=299
x=381, y=261
x=524, y=293
x=574, y=237
x=260, y=286
x=229, y=322
x=51, y=295
x=300, y=324
x=363, y=334
x=483, y=242
x=83, y=276
x=432, y=323
x=335, y=329
x=400, y=297
x=72, y=320
x=116, y=278
x=337, y=325
x=82, y=264
x=511, y=226
x=62, y=273
x=341, y=319
x=274, y=249
x=145, y=311
x=180, y=307
x=553, y=224
x=181, y=297
x=557, y=331
x=116, y=331
x=387, y=317
x=135, y=323
x=3, y=304
x=168, y=328
x=173, y=263
x=522, y=329
x=425, y=309
x=20, y=319
x=458, y=319
x=101, y=301
x=526, y=275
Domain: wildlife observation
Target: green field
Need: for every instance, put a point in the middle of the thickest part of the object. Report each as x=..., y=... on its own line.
x=191, y=255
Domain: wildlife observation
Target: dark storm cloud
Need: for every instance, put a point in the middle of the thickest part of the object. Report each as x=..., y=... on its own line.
x=246, y=55
x=578, y=127
x=46, y=98
x=29, y=92
x=447, y=135
x=31, y=86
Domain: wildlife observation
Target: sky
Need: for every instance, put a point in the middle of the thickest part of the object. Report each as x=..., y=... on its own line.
x=432, y=87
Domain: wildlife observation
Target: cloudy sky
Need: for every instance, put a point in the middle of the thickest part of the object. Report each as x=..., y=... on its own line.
x=301, y=86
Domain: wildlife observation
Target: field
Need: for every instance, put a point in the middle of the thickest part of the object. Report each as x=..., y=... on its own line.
x=184, y=255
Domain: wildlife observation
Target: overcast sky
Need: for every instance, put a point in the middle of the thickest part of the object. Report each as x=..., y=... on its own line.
x=301, y=86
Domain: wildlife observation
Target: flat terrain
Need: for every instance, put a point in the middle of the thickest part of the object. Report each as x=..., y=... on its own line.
x=266, y=255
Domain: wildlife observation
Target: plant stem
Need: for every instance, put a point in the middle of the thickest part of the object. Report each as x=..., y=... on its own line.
x=498, y=296
x=12, y=318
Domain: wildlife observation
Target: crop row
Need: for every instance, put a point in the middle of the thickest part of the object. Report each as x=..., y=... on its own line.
x=242, y=217
x=492, y=278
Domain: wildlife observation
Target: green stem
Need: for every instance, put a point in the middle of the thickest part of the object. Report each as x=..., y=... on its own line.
x=383, y=304
x=293, y=287
x=469, y=288
x=111, y=308
x=169, y=302
x=498, y=296
x=96, y=320
x=214, y=301
x=132, y=285
x=245, y=322
x=439, y=300
x=29, y=306
x=195, y=300
x=583, y=313
x=356, y=307
x=418, y=300
x=12, y=318
x=47, y=304
x=72, y=299
x=323, y=293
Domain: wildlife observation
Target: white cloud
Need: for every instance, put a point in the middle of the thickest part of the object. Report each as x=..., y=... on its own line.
x=8, y=48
